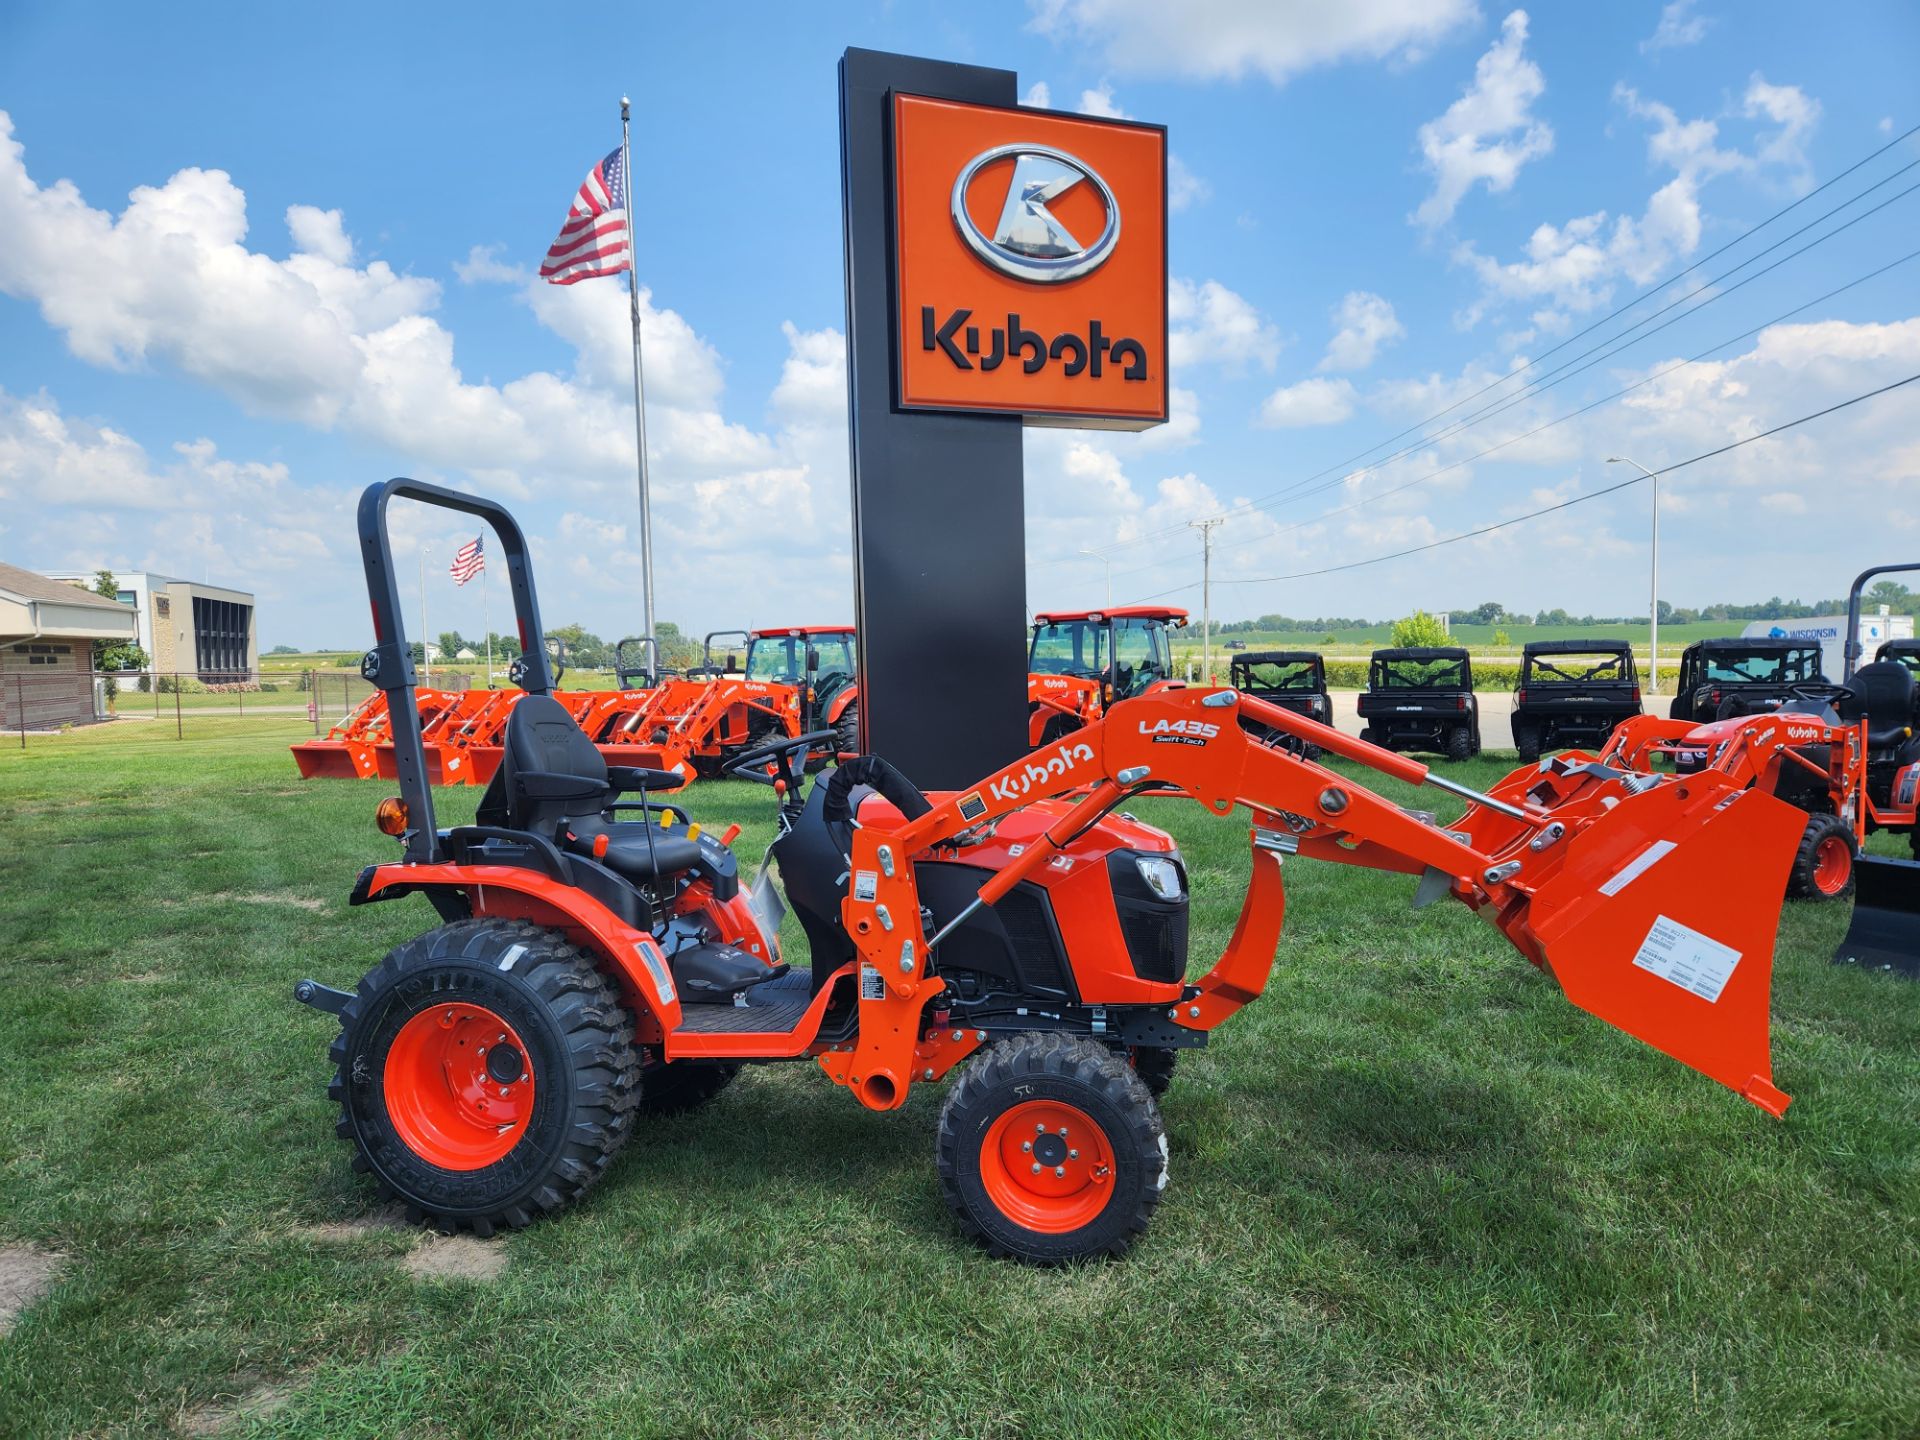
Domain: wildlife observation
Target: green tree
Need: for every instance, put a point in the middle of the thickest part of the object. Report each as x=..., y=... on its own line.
x=1502, y=638
x=112, y=655
x=450, y=644
x=1418, y=630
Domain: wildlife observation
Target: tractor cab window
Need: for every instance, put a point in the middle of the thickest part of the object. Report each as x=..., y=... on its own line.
x=779, y=659
x=836, y=666
x=1140, y=656
x=1763, y=667
x=1071, y=647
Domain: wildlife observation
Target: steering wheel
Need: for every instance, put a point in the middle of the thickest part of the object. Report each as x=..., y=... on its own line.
x=752, y=764
x=1818, y=690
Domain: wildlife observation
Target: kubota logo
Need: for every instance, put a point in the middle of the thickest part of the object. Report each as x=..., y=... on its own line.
x=1040, y=772
x=1029, y=242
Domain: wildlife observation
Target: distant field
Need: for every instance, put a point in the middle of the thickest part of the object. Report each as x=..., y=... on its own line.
x=1673, y=638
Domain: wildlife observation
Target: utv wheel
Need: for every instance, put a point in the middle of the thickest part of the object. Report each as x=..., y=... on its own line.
x=1370, y=736
x=673, y=1088
x=1459, y=744
x=1823, y=865
x=1526, y=741
x=1154, y=1065
x=1051, y=1149
x=486, y=1074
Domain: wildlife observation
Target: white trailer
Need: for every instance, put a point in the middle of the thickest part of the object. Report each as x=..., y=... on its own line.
x=1830, y=632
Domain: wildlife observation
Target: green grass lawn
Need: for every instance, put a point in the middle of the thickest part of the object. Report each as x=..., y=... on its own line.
x=1413, y=1192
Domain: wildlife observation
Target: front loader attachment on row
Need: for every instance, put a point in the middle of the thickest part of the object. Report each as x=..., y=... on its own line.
x=346, y=751
x=1661, y=914
x=1885, y=931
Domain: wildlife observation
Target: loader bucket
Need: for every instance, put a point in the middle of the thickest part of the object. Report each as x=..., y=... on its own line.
x=1885, y=931
x=324, y=760
x=1661, y=913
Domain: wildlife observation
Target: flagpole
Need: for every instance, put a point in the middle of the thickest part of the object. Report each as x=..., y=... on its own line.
x=486, y=625
x=426, y=660
x=639, y=392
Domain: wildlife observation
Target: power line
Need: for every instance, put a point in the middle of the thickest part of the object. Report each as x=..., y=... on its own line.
x=1614, y=314
x=1577, y=500
x=1550, y=424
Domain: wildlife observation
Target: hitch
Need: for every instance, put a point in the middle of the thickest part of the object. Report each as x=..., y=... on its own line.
x=322, y=997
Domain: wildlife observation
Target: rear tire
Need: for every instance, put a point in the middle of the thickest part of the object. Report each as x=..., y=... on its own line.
x=486, y=1075
x=1526, y=742
x=1371, y=736
x=1459, y=743
x=1823, y=865
x=1021, y=1187
x=848, y=727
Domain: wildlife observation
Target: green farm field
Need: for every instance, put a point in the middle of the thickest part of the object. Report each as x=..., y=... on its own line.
x=1413, y=1191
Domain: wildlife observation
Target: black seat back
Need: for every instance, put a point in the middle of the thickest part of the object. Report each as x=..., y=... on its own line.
x=542, y=738
x=1883, y=692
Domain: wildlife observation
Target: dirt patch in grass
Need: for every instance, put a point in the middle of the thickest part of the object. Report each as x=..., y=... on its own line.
x=26, y=1273
x=250, y=1400
x=456, y=1257
x=262, y=897
x=380, y=1222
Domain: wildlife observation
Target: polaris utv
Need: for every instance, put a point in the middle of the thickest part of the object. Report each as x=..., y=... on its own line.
x=1572, y=692
x=1904, y=652
x=1422, y=699
x=1725, y=679
x=1294, y=680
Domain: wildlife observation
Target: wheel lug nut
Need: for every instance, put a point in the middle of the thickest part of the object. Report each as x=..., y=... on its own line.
x=1036, y=1167
x=503, y=1092
x=1073, y=1154
x=1063, y=1130
x=1026, y=1145
x=1039, y=1129
x=1060, y=1172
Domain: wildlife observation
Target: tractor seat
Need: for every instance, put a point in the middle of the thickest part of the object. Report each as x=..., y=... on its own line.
x=1883, y=692
x=628, y=853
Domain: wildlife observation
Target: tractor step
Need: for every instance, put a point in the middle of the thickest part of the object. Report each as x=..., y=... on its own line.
x=1885, y=931
x=776, y=1008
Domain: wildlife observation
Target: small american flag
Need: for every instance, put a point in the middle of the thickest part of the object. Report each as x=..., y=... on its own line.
x=594, y=239
x=468, y=563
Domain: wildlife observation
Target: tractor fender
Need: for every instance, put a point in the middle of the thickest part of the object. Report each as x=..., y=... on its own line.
x=630, y=957
x=837, y=707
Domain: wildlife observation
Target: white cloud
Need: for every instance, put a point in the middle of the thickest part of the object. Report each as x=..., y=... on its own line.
x=1678, y=26
x=1099, y=101
x=1366, y=324
x=1490, y=132
x=1573, y=266
x=1210, y=324
x=1311, y=402
x=1038, y=95
x=320, y=232
x=1184, y=188
x=1229, y=39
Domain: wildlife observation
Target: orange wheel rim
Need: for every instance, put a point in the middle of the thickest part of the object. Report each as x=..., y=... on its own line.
x=1832, y=860
x=1047, y=1166
x=458, y=1086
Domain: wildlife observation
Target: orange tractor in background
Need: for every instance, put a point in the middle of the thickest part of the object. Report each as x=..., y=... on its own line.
x=795, y=678
x=1081, y=661
x=601, y=959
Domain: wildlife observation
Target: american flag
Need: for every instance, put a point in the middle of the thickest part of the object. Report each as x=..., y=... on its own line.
x=468, y=563
x=594, y=239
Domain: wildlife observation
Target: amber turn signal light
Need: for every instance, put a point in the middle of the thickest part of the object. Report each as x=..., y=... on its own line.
x=391, y=816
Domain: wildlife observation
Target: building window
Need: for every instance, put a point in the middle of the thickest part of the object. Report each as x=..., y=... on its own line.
x=125, y=597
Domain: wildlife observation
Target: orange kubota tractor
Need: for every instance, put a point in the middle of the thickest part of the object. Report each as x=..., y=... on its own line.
x=600, y=959
x=1081, y=661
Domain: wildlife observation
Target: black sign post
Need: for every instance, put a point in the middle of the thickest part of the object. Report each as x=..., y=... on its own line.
x=939, y=524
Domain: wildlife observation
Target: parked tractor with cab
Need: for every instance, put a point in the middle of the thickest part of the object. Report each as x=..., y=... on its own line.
x=1081, y=661
x=601, y=958
x=1725, y=679
x=1294, y=680
x=1422, y=699
x=1572, y=692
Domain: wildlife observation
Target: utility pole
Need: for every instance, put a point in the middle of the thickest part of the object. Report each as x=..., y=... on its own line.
x=1653, y=584
x=1106, y=560
x=1206, y=529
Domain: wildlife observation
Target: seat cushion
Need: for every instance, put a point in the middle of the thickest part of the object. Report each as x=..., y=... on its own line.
x=628, y=853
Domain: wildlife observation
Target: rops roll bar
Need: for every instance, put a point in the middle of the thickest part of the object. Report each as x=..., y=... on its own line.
x=389, y=664
x=1853, y=649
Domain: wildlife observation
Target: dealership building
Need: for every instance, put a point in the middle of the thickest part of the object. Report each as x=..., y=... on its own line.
x=187, y=627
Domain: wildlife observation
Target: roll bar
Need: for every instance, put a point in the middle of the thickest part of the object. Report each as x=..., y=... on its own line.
x=1853, y=650
x=389, y=664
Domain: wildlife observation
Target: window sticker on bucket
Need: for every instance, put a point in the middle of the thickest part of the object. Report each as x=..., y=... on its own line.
x=1636, y=867
x=1684, y=957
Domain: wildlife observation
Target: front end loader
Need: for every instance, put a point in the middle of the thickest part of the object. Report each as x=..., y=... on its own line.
x=599, y=959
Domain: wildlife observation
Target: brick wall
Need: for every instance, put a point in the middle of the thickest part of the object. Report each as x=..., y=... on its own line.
x=45, y=683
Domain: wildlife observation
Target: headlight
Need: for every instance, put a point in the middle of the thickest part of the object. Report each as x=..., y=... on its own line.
x=1162, y=874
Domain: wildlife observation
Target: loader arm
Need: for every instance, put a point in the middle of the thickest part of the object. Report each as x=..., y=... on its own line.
x=1652, y=899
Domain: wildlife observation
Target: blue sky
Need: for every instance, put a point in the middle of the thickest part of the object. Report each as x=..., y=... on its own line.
x=1382, y=207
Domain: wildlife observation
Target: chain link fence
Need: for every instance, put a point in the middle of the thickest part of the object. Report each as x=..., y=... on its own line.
x=37, y=706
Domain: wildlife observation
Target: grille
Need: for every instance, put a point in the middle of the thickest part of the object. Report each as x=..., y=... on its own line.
x=1029, y=923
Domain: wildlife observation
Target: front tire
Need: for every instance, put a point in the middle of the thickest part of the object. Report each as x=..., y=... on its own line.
x=848, y=728
x=1050, y=1149
x=486, y=1075
x=1823, y=865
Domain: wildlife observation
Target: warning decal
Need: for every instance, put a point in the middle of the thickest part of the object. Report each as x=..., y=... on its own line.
x=1684, y=957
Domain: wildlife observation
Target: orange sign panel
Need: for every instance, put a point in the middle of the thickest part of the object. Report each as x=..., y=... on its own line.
x=1030, y=266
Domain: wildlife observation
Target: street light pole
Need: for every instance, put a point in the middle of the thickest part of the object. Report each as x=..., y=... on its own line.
x=1106, y=560
x=1653, y=585
x=1206, y=529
